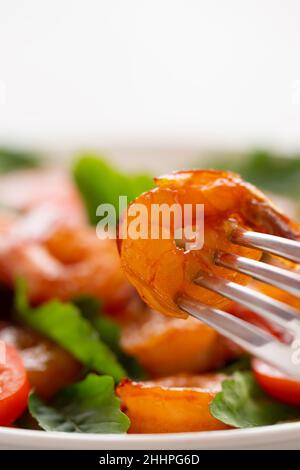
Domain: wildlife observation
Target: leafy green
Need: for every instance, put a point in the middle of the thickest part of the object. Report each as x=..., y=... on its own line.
x=268, y=171
x=11, y=159
x=64, y=324
x=99, y=183
x=89, y=406
x=242, y=404
x=110, y=334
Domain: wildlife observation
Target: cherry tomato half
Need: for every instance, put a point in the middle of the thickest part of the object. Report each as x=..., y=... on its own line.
x=14, y=386
x=276, y=384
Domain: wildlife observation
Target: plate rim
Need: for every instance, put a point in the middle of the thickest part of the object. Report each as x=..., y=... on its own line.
x=202, y=437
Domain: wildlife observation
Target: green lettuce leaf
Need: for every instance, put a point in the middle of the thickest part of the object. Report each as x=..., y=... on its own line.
x=242, y=403
x=110, y=334
x=64, y=324
x=11, y=159
x=99, y=183
x=89, y=406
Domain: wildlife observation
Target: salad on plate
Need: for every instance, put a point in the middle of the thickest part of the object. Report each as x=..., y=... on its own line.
x=91, y=336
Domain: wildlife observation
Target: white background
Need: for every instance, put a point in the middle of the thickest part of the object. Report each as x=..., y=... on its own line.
x=180, y=73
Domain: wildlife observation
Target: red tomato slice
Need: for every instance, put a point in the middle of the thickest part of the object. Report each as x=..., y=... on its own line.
x=276, y=384
x=14, y=386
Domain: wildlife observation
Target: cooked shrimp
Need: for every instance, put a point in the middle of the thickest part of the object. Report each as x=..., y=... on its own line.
x=62, y=261
x=162, y=271
x=174, y=404
x=49, y=367
x=166, y=346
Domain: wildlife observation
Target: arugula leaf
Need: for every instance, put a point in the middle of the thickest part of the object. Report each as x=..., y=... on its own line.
x=16, y=159
x=268, y=171
x=90, y=308
x=110, y=334
x=99, y=182
x=89, y=406
x=242, y=403
x=64, y=324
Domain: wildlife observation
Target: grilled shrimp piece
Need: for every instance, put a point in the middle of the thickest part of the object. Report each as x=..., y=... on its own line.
x=161, y=270
x=173, y=404
x=49, y=367
x=62, y=261
x=52, y=189
x=167, y=346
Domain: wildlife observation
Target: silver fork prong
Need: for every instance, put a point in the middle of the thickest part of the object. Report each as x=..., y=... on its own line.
x=261, y=344
x=284, y=279
x=271, y=309
x=284, y=247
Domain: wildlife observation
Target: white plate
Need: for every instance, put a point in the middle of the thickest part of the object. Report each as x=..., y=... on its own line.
x=281, y=436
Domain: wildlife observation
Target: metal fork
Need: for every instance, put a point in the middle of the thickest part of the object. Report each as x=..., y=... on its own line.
x=251, y=338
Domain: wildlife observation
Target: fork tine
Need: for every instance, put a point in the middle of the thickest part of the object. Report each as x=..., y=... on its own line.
x=284, y=247
x=275, y=311
x=279, y=277
x=249, y=337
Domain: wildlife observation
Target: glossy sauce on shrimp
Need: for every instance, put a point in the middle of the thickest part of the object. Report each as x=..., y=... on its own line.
x=162, y=271
x=177, y=403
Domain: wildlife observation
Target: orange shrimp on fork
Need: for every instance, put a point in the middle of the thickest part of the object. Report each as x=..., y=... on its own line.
x=162, y=271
